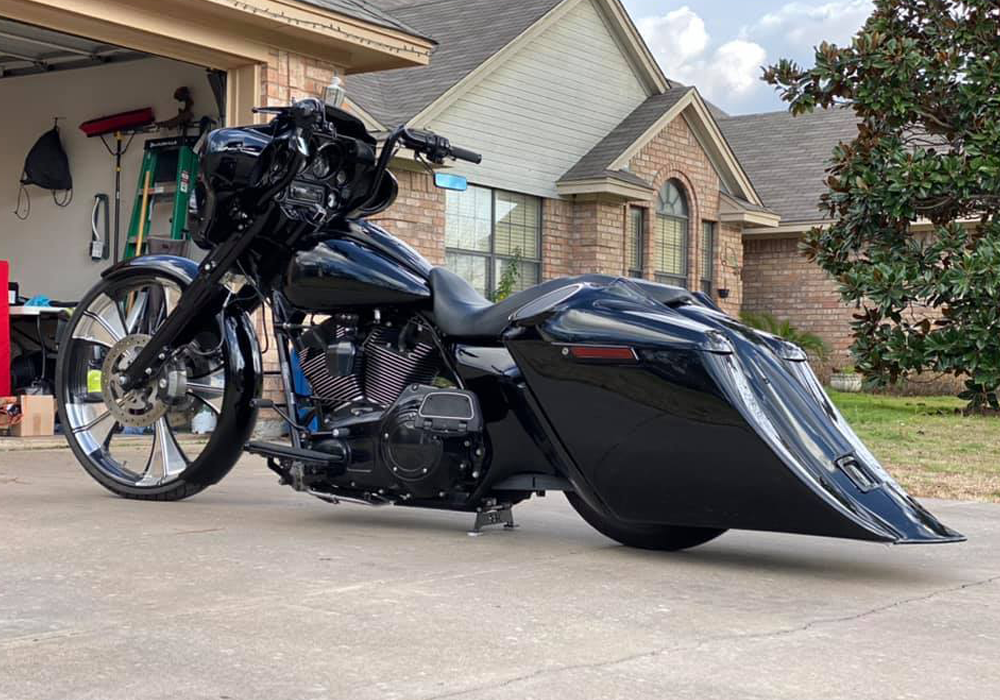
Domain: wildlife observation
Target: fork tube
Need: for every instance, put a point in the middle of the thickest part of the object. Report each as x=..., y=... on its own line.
x=284, y=362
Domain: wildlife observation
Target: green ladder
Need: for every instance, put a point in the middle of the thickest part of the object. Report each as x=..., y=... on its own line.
x=172, y=167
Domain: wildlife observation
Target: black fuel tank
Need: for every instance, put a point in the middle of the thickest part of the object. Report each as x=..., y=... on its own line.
x=343, y=272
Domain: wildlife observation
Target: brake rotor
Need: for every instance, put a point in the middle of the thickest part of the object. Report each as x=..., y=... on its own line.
x=138, y=407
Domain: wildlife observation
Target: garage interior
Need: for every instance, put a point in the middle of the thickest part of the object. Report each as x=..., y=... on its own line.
x=50, y=78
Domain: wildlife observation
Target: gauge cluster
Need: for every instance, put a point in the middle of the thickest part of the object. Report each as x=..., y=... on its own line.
x=335, y=178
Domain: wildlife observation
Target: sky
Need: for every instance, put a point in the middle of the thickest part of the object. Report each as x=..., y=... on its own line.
x=719, y=45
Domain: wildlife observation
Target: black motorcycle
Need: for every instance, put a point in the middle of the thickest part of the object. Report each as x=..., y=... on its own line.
x=663, y=420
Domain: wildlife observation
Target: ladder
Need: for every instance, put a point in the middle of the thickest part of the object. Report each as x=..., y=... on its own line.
x=169, y=169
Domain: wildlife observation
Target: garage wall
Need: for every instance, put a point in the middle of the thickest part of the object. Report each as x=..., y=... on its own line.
x=49, y=253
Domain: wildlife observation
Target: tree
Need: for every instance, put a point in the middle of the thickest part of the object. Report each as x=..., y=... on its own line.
x=923, y=78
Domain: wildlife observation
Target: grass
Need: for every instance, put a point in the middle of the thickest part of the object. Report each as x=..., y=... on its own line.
x=928, y=445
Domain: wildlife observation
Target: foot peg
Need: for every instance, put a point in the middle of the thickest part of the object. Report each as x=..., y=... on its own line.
x=493, y=515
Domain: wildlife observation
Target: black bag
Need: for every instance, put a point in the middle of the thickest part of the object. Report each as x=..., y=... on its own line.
x=47, y=167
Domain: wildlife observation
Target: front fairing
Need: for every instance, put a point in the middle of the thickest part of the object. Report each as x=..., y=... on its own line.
x=710, y=427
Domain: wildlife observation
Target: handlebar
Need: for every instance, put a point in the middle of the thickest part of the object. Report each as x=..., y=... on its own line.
x=288, y=152
x=435, y=147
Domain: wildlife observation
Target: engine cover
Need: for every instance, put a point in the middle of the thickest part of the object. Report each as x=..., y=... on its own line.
x=431, y=441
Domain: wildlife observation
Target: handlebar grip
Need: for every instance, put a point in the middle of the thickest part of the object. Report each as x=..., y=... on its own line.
x=466, y=155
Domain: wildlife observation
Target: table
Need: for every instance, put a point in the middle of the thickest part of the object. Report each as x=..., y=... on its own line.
x=35, y=328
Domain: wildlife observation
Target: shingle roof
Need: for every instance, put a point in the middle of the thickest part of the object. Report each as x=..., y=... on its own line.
x=359, y=9
x=595, y=163
x=468, y=33
x=786, y=157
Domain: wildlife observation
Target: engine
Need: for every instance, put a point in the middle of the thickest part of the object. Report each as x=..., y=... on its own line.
x=377, y=388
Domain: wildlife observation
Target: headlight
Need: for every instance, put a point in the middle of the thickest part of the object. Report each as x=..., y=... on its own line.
x=325, y=162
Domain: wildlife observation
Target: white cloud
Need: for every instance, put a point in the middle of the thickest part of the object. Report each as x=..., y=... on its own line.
x=799, y=25
x=676, y=37
x=727, y=71
x=680, y=43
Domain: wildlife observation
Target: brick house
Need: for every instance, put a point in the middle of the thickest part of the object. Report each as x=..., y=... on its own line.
x=593, y=161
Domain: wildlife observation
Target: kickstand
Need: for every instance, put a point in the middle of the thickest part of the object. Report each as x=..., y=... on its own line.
x=494, y=515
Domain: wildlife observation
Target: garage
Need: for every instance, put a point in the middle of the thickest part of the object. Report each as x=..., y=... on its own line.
x=172, y=69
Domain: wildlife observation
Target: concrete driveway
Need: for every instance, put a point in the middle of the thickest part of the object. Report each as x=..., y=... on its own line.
x=252, y=591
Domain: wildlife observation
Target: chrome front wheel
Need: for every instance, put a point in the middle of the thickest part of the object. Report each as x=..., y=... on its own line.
x=150, y=441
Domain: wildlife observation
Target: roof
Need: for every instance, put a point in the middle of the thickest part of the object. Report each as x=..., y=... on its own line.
x=359, y=9
x=787, y=157
x=597, y=160
x=468, y=33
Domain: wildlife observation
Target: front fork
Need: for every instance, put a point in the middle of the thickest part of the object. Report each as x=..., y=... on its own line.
x=205, y=295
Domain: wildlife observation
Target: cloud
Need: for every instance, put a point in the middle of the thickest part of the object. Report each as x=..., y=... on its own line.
x=680, y=43
x=800, y=26
x=676, y=37
x=728, y=72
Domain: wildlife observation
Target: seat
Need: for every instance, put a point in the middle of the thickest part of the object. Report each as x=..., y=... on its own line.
x=462, y=312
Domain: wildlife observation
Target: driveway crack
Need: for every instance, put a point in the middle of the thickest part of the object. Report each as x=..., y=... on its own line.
x=716, y=639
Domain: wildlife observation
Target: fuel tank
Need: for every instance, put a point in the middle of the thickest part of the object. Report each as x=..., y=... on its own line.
x=678, y=414
x=359, y=265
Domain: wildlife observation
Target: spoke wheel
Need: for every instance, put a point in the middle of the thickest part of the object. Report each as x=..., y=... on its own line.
x=152, y=440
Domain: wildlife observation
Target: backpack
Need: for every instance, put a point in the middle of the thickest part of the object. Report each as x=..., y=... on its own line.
x=47, y=167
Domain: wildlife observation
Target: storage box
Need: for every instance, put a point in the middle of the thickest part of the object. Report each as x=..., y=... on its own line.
x=38, y=414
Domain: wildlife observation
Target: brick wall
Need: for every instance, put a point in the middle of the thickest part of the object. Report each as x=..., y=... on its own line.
x=779, y=280
x=597, y=239
x=289, y=77
x=417, y=216
x=558, y=226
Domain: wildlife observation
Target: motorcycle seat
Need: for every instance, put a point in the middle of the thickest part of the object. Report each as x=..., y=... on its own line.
x=462, y=312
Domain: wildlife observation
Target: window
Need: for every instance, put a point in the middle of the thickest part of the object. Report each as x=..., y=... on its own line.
x=486, y=229
x=635, y=242
x=707, y=256
x=670, y=236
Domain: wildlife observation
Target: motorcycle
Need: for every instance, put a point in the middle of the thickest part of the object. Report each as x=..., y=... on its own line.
x=664, y=421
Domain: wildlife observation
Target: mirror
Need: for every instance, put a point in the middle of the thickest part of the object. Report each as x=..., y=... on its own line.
x=447, y=181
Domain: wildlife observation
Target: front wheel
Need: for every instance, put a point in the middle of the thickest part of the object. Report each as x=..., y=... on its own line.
x=667, y=538
x=185, y=428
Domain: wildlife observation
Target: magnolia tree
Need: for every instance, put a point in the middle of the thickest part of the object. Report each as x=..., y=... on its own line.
x=915, y=199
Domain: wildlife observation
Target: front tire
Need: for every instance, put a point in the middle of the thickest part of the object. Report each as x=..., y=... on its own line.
x=665, y=538
x=220, y=379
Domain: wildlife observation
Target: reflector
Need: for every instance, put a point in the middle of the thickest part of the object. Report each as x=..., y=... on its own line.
x=603, y=352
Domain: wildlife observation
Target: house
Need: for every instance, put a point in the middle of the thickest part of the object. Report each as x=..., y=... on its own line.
x=786, y=157
x=593, y=160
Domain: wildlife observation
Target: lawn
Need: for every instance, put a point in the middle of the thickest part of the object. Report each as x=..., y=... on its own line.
x=927, y=445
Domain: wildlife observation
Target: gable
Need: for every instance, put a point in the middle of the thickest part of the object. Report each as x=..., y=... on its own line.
x=544, y=107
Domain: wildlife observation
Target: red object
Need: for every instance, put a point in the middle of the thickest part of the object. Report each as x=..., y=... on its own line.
x=607, y=353
x=136, y=119
x=4, y=329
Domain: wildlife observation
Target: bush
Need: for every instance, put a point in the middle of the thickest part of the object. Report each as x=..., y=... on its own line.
x=783, y=328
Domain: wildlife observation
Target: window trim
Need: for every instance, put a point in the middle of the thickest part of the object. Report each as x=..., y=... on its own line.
x=492, y=256
x=679, y=279
x=707, y=284
x=639, y=272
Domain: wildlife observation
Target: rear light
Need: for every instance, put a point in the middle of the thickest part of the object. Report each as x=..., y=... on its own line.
x=601, y=353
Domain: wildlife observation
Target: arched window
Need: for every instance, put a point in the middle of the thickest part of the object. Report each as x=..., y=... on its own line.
x=670, y=235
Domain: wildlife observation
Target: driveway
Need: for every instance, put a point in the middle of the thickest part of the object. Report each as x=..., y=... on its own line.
x=252, y=591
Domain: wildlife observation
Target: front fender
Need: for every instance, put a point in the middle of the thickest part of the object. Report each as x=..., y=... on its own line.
x=181, y=270
x=706, y=425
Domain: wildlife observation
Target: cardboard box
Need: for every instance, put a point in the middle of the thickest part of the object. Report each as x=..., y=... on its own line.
x=38, y=416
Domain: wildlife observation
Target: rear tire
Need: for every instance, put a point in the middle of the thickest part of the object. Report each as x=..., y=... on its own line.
x=664, y=538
